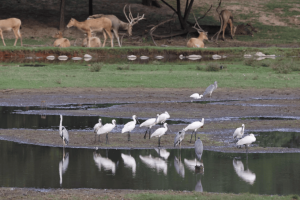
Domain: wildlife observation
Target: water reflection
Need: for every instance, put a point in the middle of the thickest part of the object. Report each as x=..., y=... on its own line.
x=106, y=163
x=192, y=164
x=198, y=187
x=155, y=163
x=162, y=153
x=129, y=162
x=246, y=175
x=179, y=166
x=63, y=166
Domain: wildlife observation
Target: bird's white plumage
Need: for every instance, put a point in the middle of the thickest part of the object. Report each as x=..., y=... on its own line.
x=149, y=122
x=196, y=96
x=63, y=166
x=106, y=163
x=107, y=127
x=129, y=162
x=155, y=163
x=246, y=175
x=160, y=131
x=162, y=118
x=97, y=126
x=162, y=153
x=63, y=132
x=191, y=164
x=179, y=167
x=239, y=132
x=247, y=140
x=129, y=126
x=195, y=125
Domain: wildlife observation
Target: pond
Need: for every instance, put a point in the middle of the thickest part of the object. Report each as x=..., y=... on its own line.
x=44, y=167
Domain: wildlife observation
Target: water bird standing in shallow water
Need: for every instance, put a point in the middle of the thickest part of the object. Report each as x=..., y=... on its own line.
x=96, y=128
x=198, y=149
x=178, y=138
x=247, y=140
x=160, y=132
x=194, y=126
x=196, y=96
x=63, y=132
x=129, y=126
x=106, y=129
x=210, y=89
x=239, y=132
x=149, y=123
x=162, y=118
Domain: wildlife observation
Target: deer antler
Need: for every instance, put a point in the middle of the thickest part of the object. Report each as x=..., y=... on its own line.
x=199, y=29
x=132, y=20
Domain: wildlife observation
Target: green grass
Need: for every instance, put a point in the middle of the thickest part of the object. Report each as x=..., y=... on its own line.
x=208, y=196
x=157, y=75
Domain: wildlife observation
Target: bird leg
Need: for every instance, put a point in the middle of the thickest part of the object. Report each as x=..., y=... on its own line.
x=107, y=138
x=246, y=148
x=159, y=142
x=146, y=133
x=129, y=137
x=192, y=137
x=149, y=133
x=195, y=135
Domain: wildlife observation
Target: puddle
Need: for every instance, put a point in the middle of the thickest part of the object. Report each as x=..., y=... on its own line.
x=44, y=167
x=271, y=118
x=278, y=139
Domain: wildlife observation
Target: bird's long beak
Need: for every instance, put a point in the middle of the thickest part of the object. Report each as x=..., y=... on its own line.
x=137, y=121
x=170, y=130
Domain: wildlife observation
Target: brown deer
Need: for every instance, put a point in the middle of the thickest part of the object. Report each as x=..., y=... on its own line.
x=95, y=42
x=197, y=42
x=116, y=23
x=94, y=25
x=11, y=24
x=60, y=42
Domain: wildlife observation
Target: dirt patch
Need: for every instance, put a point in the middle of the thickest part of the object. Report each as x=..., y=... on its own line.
x=271, y=19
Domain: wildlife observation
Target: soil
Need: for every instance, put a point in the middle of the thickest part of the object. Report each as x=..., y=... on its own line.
x=147, y=102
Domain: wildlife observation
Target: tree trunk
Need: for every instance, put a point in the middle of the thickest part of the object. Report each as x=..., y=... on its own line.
x=151, y=3
x=62, y=15
x=90, y=7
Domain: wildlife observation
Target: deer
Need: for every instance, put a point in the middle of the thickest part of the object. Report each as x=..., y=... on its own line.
x=11, y=24
x=116, y=23
x=95, y=42
x=197, y=42
x=94, y=25
x=60, y=42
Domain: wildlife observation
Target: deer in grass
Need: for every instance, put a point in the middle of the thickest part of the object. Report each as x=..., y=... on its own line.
x=94, y=25
x=95, y=42
x=11, y=24
x=60, y=42
x=116, y=23
x=197, y=42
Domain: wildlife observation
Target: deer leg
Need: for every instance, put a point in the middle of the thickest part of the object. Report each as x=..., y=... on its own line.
x=222, y=24
x=20, y=36
x=2, y=37
x=104, y=34
x=16, y=35
x=231, y=27
x=111, y=37
x=117, y=36
x=224, y=28
x=89, y=35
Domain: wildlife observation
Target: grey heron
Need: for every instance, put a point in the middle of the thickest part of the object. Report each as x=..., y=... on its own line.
x=247, y=140
x=63, y=132
x=210, y=89
x=96, y=128
x=129, y=126
x=160, y=132
x=106, y=129
x=178, y=138
x=149, y=123
x=239, y=132
x=195, y=126
x=198, y=149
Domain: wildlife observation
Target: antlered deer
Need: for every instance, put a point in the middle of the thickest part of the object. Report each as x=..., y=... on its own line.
x=94, y=25
x=11, y=24
x=116, y=23
x=197, y=42
x=61, y=42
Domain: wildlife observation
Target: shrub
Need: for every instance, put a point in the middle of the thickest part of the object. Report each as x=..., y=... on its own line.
x=212, y=67
x=123, y=67
x=96, y=67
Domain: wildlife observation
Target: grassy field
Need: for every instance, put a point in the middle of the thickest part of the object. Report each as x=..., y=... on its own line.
x=236, y=74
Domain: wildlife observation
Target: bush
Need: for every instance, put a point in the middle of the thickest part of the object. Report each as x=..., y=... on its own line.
x=199, y=68
x=249, y=62
x=123, y=67
x=212, y=67
x=96, y=67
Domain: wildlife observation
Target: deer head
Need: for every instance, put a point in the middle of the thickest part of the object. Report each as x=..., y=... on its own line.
x=58, y=35
x=71, y=23
x=131, y=21
x=201, y=32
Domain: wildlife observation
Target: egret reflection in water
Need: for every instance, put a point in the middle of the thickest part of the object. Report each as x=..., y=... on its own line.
x=155, y=163
x=191, y=165
x=179, y=166
x=199, y=187
x=163, y=153
x=63, y=166
x=246, y=175
x=106, y=163
x=129, y=162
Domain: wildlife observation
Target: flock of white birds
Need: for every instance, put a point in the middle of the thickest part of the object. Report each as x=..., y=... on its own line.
x=100, y=129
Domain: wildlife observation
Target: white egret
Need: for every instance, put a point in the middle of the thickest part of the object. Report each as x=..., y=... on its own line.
x=129, y=162
x=210, y=89
x=247, y=140
x=129, y=126
x=191, y=164
x=63, y=166
x=198, y=149
x=162, y=153
x=106, y=163
x=196, y=96
x=246, y=175
x=96, y=128
x=178, y=138
x=179, y=167
x=194, y=126
x=63, y=132
x=160, y=132
x=155, y=163
x=239, y=132
x=149, y=123
x=162, y=118
x=106, y=129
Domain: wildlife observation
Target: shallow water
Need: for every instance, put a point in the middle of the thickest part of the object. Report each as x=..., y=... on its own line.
x=42, y=167
x=278, y=139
